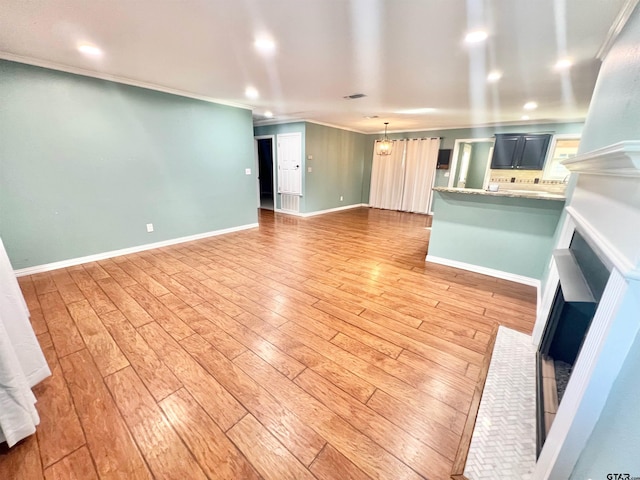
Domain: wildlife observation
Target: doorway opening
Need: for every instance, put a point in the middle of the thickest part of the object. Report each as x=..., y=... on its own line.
x=471, y=163
x=264, y=167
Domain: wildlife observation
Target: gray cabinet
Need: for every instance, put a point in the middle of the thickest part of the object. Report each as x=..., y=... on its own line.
x=520, y=151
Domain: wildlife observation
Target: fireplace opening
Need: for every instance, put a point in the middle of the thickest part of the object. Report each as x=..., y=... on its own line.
x=583, y=277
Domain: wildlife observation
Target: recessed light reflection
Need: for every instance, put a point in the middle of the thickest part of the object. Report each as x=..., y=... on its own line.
x=251, y=92
x=476, y=36
x=91, y=50
x=268, y=114
x=494, y=76
x=525, y=117
x=265, y=45
x=563, y=64
x=530, y=106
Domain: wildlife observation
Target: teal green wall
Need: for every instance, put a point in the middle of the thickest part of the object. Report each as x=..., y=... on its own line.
x=614, y=116
x=85, y=164
x=337, y=164
x=442, y=179
x=366, y=168
x=449, y=136
x=294, y=127
x=514, y=235
x=337, y=167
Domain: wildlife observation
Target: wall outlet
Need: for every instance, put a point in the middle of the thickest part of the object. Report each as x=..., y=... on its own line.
x=341, y=198
x=446, y=174
x=247, y=171
x=309, y=169
x=309, y=157
x=149, y=227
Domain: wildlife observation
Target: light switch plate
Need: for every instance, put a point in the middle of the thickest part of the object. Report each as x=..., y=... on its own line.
x=309, y=169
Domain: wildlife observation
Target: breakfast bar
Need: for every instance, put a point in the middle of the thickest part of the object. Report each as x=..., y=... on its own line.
x=506, y=233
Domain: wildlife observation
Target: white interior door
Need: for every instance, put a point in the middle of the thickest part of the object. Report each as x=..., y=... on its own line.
x=290, y=163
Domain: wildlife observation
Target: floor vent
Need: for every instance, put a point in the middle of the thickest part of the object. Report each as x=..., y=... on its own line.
x=290, y=203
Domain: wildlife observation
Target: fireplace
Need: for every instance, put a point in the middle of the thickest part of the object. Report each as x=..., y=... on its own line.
x=587, y=324
x=598, y=242
x=583, y=277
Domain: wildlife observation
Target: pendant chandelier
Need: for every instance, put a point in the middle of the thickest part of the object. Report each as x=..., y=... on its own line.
x=385, y=145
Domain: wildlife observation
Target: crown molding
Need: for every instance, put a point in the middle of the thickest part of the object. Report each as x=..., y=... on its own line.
x=618, y=24
x=117, y=79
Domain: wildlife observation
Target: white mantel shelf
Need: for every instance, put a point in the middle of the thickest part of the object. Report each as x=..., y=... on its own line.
x=621, y=158
x=605, y=204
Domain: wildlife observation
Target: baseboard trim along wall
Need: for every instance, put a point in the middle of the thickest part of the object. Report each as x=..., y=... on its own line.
x=320, y=212
x=534, y=282
x=125, y=251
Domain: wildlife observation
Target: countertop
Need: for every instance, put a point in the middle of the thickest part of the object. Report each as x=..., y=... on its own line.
x=536, y=195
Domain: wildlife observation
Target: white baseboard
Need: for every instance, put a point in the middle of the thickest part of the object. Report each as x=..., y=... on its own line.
x=337, y=209
x=321, y=212
x=125, y=251
x=288, y=212
x=534, y=282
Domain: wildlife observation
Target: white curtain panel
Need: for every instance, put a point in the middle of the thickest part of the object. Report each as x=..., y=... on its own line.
x=420, y=167
x=22, y=363
x=387, y=178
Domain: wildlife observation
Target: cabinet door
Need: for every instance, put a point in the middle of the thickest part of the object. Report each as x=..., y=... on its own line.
x=534, y=151
x=505, y=150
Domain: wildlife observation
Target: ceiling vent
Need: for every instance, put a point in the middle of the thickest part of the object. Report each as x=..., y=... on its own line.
x=354, y=96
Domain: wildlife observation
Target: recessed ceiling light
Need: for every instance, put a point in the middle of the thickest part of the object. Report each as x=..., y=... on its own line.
x=91, y=50
x=494, y=76
x=476, y=36
x=268, y=114
x=563, y=64
x=251, y=92
x=530, y=106
x=416, y=111
x=525, y=117
x=265, y=45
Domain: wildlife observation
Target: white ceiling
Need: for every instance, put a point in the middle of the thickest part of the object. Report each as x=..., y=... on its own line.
x=403, y=54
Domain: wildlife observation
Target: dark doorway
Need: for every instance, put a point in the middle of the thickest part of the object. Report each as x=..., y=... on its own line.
x=265, y=172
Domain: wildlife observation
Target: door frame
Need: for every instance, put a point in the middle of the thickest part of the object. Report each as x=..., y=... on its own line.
x=456, y=153
x=273, y=165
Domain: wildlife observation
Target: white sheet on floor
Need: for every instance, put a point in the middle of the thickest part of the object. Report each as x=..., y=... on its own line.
x=22, y=363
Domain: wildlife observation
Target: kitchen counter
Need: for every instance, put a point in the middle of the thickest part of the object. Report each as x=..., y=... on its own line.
x=535, y=194
x=506, y=234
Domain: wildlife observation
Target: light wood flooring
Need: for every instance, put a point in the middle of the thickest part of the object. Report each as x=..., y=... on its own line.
x=306, y=348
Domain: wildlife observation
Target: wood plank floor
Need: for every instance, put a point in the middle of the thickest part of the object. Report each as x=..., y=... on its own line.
x=307, y=348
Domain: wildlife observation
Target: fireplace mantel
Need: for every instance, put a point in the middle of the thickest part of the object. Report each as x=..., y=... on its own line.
x=605, y=208
x=606, y=203
x=621, y=158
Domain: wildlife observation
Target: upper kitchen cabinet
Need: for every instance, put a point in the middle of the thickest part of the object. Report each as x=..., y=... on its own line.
x=521, y=151
x=505, y=150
